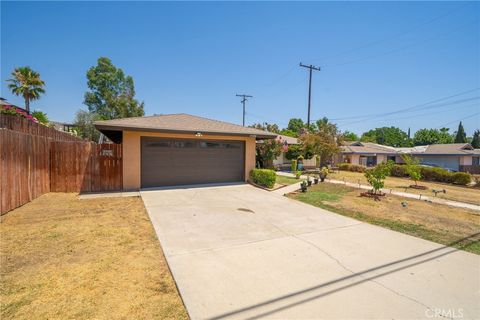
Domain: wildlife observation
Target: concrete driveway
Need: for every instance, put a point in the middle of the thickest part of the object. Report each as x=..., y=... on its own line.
x=238, y=252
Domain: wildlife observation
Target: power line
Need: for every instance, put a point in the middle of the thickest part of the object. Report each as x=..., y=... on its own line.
x=244, y=96
x=446, y=124
x=406, y=109
x=310, y=67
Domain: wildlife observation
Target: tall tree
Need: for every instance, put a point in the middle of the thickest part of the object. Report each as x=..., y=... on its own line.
x=389, y=136
x=432, y=136
x=26, y=83
x=476, y=139
x=84, y=125
x=324, y=142
x=296, y=125
x=111, y=94
x=350, y=136
x=460, y=136
x=270, y=127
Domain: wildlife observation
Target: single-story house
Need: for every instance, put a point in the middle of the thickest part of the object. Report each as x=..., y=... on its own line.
x=367, y=153
x=454, y=156
x=281, y=161
x=182, y=149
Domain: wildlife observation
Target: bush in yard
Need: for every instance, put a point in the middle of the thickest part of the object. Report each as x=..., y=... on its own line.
x=294, y=166
x=376, y=176
x=398, y=171
x=412, y=168
x=462, y=178
x=263, y=177
x=351, y=167
x=436, y=174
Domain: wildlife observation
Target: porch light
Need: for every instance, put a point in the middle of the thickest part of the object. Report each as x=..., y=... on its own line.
x=198, y=134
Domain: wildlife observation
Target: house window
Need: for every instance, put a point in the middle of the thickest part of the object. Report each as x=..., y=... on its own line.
x=476, y=161
x=184, y=144
x=391, y=158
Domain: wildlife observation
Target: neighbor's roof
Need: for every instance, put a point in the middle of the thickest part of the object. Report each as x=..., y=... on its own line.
x=432, y=149
x=367, y=148
x=453, y=149
x=181, y=123
x=290, y=140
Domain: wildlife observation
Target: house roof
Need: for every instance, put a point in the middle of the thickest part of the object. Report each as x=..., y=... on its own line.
x=179, y=123
x=367, y=148
x=433, y=149
x=290, y=140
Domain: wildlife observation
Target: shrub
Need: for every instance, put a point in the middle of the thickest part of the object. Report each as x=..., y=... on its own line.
x=351, y=167
x=398, y=171
x=294, y=166
x=376, y=176
x=263, y=177
x=436, y=174
x=462, y=178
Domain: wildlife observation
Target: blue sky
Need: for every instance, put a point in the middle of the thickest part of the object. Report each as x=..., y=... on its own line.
x=376, y=57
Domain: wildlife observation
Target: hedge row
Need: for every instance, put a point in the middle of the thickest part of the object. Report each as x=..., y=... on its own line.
x=263, y=177
x=428, y=173
x=351, y=167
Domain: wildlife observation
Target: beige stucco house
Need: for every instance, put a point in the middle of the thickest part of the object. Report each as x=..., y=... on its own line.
x=182, y=149
x=454, y=156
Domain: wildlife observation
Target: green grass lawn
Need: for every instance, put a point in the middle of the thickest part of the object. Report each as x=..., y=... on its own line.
x=287, y=180
x=430, y=221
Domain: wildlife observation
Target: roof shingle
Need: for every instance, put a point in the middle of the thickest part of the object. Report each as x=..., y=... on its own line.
x=182, y=123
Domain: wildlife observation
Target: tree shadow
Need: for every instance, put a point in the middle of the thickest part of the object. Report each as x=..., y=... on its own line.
x=461, y=244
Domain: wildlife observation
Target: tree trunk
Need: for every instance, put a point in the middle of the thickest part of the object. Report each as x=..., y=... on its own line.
x=27, y=103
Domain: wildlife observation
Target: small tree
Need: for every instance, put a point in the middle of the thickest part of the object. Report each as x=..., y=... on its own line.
x=376, y=176
x=267, y=151
x=460, y=135
x=476, y=139
x=26, y=83
x=40, y=116
x=412, y=168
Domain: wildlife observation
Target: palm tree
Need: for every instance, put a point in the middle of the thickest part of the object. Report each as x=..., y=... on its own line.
x=27, y=83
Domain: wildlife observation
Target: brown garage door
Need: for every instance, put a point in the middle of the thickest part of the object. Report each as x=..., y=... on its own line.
x=167, y=162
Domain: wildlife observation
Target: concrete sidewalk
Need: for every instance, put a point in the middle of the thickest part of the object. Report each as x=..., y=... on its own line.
x=239, y=252
x=451, y=203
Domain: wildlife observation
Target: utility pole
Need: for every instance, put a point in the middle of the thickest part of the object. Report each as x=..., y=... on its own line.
x=244, y=96
x=310, y=67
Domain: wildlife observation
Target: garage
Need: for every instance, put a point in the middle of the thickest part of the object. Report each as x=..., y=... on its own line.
x=168, y=162
x=182, y=149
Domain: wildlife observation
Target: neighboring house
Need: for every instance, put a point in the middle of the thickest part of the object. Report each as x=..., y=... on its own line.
x=455, y=156
x=181, y=149
x=63, y=126
x=281, y=161
x=367, y=153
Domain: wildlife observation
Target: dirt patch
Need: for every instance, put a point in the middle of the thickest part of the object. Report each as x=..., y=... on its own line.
x=467, y=194
x=82, y=259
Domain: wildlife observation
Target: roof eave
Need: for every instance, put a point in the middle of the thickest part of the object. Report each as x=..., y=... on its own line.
x=103, y=127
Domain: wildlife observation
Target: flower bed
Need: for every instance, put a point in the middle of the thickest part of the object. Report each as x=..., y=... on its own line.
x=14, y=111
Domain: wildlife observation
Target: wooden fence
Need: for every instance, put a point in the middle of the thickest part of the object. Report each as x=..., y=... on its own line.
x=85, y=167
x=26, y=126
x=33, y=165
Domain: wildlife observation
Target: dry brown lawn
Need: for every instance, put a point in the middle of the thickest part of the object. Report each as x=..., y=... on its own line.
x=64, y=258
x=434, y=222
x=453, y=192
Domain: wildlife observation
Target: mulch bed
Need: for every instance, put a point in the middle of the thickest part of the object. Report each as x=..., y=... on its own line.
x=376, y=196
x=413, y=186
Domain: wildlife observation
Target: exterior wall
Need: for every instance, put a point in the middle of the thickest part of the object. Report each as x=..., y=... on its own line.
x=355, y=159
x=466, y=160
x=381, y=158
x=447, y=162
x=280, y=160
x=132, y=154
